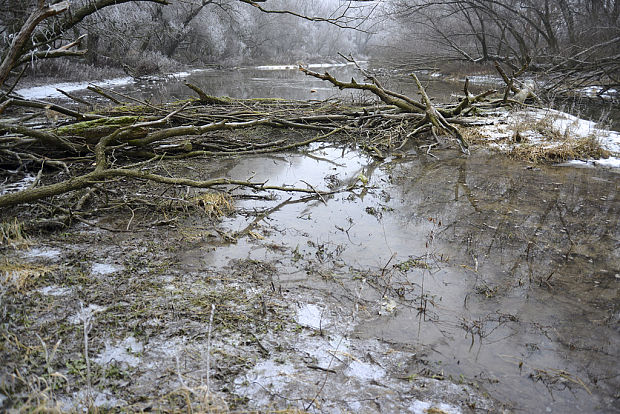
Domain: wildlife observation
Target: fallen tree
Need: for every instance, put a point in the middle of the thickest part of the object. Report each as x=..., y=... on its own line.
x=129, y=140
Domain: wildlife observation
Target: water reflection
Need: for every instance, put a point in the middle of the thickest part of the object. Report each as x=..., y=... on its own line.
x=532, y=279
x=499, y=272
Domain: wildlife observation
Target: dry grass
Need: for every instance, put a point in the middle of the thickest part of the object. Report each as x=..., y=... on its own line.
x=69, y=70
x=472, y=135
x=568, y=149
x=12, y=235
x=214, y=204
x=541, y=126
x=539, y=139
x=22, y=276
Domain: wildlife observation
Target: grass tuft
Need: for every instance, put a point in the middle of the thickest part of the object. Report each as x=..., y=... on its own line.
x=22, y=276
x=214, y=204
x=12, y=235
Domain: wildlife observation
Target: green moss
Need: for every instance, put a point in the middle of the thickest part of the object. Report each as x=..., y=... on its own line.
x=97, y=125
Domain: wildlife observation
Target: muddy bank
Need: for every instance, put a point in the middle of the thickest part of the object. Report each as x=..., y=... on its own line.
x=461, y=284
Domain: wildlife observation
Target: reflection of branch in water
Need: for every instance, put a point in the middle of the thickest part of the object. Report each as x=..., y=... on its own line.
x=558, y=378
x=322, y=159
x=531, y=242
x=481, y=327
x=462, y=182
x=346, y=231
x=270, y=211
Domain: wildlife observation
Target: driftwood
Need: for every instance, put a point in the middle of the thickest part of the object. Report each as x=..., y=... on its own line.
x=126, y=141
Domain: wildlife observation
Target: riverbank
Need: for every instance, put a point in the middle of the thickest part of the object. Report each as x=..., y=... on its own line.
x=442, y=283
x=226, y=254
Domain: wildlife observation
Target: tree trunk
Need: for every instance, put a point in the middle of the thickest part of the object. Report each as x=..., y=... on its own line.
x=15, y=49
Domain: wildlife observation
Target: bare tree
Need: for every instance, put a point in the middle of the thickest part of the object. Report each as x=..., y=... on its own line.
x=574, y=40
x=46, y=32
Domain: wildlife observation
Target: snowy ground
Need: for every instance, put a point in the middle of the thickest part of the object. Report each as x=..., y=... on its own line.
x=540, y=127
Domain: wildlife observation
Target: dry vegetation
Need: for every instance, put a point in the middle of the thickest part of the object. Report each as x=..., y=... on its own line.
x=559, y=151
x=12, y=234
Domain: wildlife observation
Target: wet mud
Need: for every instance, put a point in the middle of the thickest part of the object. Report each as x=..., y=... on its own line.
x=460, y=284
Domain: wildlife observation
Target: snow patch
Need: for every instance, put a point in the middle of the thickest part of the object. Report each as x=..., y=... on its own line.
x=99, y=399
x=43, y=253
x=611, y=162
x=423, y=407
x=122, y=353
x=267, y=375
x=484, y=79
x=596, y=91
x=86, y=313
x=50, y=91
x=310, y=66
x=311, y=316
x=18, y=185
x=55, y=290
x=500, y=133
x=323, y=351
x=364, y=371
x=105, y=269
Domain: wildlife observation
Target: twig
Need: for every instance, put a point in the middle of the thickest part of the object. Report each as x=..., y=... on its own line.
x=75, y=98
x=209, y=346
x=315, y=191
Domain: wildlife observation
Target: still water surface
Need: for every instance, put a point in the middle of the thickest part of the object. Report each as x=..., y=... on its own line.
x=492, y=270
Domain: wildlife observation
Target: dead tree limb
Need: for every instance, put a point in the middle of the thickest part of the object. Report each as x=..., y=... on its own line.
x=16, y=101
x=206, y=98
x=389, y=97
x=48, y=139
x=437, y=120
x=101, y=92
x=522, y=91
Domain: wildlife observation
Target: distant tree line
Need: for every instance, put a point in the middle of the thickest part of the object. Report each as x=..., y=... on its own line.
x=151, y=35
x=576, y=40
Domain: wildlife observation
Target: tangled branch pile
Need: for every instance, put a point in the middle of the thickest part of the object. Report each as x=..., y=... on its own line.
x=128, y=139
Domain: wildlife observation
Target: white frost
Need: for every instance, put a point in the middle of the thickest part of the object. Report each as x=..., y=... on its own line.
x=311, y=316
x=105, y=269
x=121, y=353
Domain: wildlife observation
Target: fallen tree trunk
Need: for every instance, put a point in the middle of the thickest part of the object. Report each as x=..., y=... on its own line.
x=119, y=142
